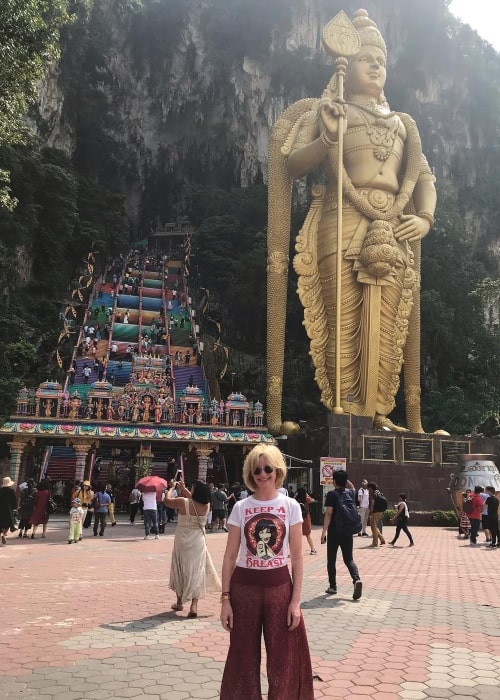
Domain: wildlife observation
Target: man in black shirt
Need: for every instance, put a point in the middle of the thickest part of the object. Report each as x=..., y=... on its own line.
x=492, y=505
x=339, y=539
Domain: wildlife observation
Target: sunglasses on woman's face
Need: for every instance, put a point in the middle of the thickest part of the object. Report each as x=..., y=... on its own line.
x=259, y=470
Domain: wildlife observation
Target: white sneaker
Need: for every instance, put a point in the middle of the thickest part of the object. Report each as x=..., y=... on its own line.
x=157, y=537
x=146, y=537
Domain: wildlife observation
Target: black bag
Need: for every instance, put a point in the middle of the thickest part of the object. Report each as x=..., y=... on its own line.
x=380, y=504
x=347, y=518
x=303, y=510
x=51, y=506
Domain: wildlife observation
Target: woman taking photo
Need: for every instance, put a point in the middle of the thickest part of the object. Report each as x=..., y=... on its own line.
x=258, y=592
x=192, y=573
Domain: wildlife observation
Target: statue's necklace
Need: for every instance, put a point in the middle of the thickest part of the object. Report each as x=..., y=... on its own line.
x=381, y=132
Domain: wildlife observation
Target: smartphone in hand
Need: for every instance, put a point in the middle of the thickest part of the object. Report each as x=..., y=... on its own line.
x=323, y=539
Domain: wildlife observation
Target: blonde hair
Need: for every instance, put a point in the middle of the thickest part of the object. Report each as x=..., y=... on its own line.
x=274, y=458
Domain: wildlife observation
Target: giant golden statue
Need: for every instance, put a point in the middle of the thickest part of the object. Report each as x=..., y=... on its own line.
x=373, y=161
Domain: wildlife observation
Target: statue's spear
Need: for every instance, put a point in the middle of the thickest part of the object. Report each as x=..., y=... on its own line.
x=341, y=40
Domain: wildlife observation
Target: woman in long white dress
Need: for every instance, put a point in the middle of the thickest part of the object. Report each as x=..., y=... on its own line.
x=192, y=573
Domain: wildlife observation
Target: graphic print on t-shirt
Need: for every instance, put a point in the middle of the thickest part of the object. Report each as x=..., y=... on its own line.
x=264, y=535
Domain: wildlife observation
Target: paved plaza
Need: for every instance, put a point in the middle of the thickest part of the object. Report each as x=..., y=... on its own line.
x=93, y=620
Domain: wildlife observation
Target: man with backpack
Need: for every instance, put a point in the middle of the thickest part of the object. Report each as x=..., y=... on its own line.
x=378, y=506
x=340, y=523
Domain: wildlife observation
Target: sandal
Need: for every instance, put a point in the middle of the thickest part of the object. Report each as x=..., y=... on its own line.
x=179, y=608
x=192, y=614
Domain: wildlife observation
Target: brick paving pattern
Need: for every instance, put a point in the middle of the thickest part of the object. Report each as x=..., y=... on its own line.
x=93, y=620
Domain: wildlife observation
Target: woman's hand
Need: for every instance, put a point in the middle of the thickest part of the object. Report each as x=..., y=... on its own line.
x=226, y=615
x=294, y=616
x=412, y=228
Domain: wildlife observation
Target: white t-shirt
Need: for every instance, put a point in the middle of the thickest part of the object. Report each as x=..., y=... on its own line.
x=363, y=498
x=149, y=500
x=265, y=530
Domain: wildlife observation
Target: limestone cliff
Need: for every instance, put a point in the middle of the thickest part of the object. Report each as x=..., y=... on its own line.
x=151, y=96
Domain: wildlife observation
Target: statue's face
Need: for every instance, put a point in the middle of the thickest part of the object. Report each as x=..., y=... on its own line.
x=366, y=72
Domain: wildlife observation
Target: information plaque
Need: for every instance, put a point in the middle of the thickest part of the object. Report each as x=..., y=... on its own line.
x=378, y=449
x=418, y=450
x=450, y=449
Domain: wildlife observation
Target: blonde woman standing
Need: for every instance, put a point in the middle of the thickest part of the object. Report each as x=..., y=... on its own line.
x=259, y=594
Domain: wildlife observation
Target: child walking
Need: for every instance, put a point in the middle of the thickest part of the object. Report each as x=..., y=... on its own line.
x=75, y=521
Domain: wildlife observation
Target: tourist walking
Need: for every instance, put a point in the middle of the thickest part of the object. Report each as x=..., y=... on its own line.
x=364, y=507
x=340, y=523
x=134, y=500
x=259, y=595
x=401, y=519
x=378, y=506
x=304, y=500
x=40, y=515
x=101, y=502
x=8, y=505
x=192, y=573
x=150, y=514
x=26, y=504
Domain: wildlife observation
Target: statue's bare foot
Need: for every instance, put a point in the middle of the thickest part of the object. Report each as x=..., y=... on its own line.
x=286, y=427
x=380, y=422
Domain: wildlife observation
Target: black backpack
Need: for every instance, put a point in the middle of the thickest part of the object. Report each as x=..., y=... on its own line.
x=347, y=518
x=380, y=504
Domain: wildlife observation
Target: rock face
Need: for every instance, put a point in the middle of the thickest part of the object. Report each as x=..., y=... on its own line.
x=152, y=96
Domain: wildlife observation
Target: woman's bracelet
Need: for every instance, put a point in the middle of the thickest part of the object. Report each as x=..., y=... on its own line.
x=424, y=214
x=225, y=596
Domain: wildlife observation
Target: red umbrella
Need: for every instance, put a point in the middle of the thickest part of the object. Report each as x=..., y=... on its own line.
x=150, y=484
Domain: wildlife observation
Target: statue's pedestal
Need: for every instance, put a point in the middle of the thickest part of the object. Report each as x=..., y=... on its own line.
x=418, y=464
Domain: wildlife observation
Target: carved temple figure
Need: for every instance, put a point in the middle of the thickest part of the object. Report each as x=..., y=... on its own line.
x=158, y=411
x=388, y=200
x=98, y=409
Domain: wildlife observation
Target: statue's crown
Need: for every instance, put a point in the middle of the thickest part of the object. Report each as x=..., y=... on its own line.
x=368, y=31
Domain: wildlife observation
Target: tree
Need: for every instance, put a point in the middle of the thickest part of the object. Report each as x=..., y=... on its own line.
x=29, y=43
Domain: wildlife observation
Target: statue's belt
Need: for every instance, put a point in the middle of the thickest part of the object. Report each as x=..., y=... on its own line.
x=380, y=200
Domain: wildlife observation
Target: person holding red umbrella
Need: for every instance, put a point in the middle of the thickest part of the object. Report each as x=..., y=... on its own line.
x=152, y=488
